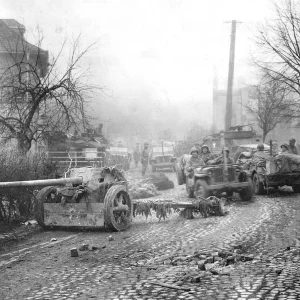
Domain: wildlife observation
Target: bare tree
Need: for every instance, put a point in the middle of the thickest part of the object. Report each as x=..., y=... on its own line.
x=271, y=103
x=278, y=44
x=38, y=95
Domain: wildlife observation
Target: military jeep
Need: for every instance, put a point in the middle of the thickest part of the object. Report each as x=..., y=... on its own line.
x=162, y=158
x=211, y=180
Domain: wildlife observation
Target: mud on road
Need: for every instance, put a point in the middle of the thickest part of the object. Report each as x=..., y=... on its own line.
x=130, y=265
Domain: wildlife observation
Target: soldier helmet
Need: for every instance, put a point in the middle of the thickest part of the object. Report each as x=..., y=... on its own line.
x=194, y=149
x=205, y=146
x=260, y=146
x=285, y=145
x=292, y=140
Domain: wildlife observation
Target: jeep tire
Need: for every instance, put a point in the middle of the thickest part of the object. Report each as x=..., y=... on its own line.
x=247, y=193
x=258, y=186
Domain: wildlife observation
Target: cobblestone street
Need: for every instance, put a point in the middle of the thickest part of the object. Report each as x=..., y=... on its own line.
x=150, y=253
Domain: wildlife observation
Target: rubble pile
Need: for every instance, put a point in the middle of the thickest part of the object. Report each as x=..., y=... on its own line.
x=138, y=189
x=200, y=265
x=160, y=180
x=148, y=187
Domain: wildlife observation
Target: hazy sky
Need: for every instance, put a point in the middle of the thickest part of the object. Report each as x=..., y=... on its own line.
x=162, y=48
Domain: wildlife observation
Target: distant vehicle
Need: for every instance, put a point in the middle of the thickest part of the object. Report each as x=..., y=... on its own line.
x=163, y=157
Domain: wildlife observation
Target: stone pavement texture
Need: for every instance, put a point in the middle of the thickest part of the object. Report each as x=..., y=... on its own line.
x=169, y=252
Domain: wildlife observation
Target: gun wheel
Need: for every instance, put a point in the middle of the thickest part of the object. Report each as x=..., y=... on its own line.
x=117, y=208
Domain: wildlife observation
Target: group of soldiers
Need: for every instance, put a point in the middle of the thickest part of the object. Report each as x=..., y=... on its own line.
x=260, y=156
x=201, y=155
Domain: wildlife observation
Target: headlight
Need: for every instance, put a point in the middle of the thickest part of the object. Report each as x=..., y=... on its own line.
x=209, y=172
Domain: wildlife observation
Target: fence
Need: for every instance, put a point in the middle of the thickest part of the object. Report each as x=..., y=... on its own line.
x=77, y=159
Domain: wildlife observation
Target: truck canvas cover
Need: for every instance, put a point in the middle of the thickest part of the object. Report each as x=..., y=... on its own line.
x=284, y=163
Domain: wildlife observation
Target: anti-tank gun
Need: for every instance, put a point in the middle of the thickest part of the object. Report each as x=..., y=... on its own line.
x=88, y=198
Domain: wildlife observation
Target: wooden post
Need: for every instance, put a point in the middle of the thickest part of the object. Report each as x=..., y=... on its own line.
x=271, y=147
x=162, y=149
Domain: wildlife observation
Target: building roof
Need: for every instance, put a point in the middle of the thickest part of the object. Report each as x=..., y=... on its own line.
x=12, y=39
x=13, y=24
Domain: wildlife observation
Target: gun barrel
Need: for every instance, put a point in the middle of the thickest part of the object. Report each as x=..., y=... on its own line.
x=43, y=182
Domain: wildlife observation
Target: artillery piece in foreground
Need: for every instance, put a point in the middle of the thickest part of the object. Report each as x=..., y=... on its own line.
x=88, y=198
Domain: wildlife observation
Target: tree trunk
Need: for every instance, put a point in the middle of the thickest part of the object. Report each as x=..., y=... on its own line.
x=23, y=144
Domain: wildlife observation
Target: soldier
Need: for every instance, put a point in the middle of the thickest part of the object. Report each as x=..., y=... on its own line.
x=193, y=162
x=220, y=159
x=145, y=158
x=136, y=154
x=285, y=148
x=293, y=149
x=260, y=157
x=205, y=154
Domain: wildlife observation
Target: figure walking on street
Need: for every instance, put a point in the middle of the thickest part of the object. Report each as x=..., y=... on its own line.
x=145, y=158
x=136, y=154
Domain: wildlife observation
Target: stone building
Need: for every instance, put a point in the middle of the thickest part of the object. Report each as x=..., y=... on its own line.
x=16, y=57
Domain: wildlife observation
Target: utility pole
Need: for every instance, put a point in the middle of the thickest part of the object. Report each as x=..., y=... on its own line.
x=215, y=98
x=230, y=76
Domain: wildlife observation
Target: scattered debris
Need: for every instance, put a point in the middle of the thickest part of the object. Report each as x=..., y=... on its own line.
x=53, y=240
x=160, y=181
x=94, y=248
x=211, y=206
x=84, y=247
x=111, y=238
x=74, y=252
x=31, y=223
x=138, y=189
